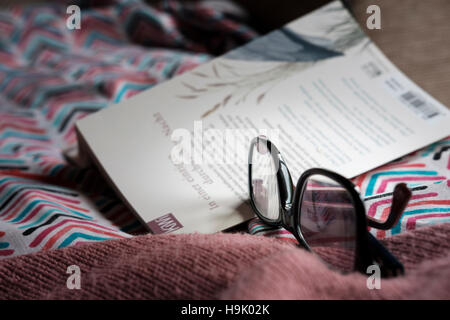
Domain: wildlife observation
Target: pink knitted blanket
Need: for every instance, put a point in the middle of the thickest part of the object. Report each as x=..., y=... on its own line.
x=230, y=266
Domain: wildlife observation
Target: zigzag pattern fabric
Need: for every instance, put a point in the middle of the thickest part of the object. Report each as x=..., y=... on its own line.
x=51, y=76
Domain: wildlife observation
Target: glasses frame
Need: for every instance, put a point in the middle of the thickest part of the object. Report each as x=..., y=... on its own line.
x=368, y=250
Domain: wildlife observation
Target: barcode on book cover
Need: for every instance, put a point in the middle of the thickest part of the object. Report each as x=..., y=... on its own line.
x=419, y=105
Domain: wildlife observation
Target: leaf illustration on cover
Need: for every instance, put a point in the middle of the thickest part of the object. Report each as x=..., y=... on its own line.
x=286, y=52
x=188, y=97
x=194, y=89
x=282, y=45
x=200, y=74
x=207, y=113
x=260, y=97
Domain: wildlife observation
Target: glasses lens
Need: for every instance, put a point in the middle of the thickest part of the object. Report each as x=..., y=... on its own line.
x=328, y=221
x=264, y=181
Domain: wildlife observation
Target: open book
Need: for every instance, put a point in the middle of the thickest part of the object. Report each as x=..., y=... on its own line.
x=318, y=88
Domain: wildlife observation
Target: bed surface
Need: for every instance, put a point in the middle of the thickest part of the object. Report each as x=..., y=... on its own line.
x=51, y=76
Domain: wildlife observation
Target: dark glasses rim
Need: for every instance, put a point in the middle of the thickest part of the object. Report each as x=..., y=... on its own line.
x=362, y=254
x=284, y=180
x=368, y=249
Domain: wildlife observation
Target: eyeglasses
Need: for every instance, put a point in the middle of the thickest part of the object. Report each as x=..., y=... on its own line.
x=324, y=212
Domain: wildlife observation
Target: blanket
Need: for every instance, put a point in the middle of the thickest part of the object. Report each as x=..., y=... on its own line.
x=51, y=76
x=226, y=266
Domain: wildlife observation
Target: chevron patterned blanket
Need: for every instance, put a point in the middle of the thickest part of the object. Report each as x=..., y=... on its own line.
x=51, y=76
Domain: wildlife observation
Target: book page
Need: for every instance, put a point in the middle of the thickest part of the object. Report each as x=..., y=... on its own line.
x=318, y=88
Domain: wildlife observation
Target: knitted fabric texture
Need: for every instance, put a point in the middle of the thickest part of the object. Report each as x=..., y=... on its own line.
x=231, y=266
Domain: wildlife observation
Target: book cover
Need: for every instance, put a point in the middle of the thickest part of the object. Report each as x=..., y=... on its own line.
x=318, y=88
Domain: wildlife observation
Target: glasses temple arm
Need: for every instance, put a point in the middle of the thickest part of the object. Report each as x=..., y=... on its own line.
x=389, y=265
x=400, y=198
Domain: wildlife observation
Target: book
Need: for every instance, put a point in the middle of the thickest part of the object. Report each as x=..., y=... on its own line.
x=318, y=88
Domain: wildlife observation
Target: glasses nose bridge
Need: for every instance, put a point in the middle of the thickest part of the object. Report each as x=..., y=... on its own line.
x=287, y=218
x=286, y=188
